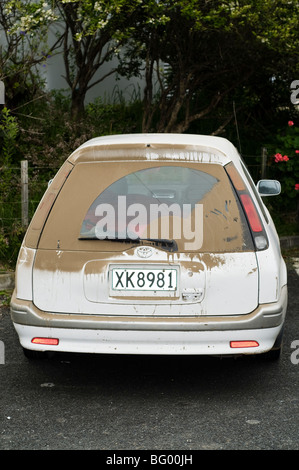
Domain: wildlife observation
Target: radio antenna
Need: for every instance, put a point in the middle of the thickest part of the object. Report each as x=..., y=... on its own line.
x=237, y=129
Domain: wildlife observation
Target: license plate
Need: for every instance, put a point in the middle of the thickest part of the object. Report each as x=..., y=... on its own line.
x=145, y=279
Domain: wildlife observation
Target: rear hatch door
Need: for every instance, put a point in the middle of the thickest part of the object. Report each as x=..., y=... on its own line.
x=210, y=268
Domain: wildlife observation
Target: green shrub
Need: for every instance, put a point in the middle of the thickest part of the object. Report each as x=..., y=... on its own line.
x=284, y=166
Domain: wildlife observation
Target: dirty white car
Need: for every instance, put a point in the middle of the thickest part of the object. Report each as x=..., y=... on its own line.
x=152, y=244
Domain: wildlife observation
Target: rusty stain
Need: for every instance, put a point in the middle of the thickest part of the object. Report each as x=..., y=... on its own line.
x=252, y=271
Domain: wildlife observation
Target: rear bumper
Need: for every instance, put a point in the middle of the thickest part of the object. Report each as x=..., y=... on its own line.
x=148, y=342
x=142, y=335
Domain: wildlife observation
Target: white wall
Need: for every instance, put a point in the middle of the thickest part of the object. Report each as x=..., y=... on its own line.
x=108, y=90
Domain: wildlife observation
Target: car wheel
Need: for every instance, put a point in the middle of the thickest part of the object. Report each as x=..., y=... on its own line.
x=275, y=353
x=31, y=354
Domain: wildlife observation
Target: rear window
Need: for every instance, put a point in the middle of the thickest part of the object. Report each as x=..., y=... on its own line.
x=106, y=206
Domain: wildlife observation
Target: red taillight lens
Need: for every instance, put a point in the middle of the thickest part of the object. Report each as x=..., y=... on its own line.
x=46, y=341
x=244, y=344
x=252, y=215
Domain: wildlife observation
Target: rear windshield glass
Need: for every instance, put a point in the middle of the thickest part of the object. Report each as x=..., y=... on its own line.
x=104, y=205
x=130, y=205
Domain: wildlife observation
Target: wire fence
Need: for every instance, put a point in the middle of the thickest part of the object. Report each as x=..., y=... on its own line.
x=28, y=184
x=26, y=188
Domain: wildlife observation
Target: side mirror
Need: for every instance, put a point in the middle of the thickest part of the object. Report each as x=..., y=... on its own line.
x=268, y=187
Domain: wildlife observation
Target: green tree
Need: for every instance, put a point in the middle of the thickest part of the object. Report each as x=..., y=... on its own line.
x=284, y=165
x=8, y=133
x=23, y=47
x=94, y=31
x=90, y=32
x=215, y=51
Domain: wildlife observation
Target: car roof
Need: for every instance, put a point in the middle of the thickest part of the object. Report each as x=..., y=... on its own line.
x=195, y=147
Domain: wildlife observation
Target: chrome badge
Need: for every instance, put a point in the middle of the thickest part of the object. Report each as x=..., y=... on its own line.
x=144, y=251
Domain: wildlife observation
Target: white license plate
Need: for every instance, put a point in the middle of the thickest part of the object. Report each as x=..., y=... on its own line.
x=145, y=279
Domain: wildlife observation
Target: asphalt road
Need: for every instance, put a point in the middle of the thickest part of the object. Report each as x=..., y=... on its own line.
x=86, y=402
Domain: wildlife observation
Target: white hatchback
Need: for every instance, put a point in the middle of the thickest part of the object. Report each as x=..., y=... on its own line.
x=152, y=244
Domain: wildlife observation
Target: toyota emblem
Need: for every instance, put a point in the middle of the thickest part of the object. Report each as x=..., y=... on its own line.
x=144, y=251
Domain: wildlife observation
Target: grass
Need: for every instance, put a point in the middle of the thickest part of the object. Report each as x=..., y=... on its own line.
x=5, y=296
x=289, y=254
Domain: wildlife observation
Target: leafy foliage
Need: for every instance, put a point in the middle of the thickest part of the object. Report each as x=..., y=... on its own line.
x=284, y=166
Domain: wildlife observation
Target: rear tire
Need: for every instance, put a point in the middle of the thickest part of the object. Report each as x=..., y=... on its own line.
x=31, y=354
x=275, y=353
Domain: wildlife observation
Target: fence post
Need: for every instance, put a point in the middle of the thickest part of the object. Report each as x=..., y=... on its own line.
x=24, y=185
x=2, y=92
x=264, y=162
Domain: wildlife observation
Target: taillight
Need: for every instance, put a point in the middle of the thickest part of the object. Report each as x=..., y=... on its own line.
x=252, y=215
x=45, y=341
x=253, y=218
x=244, y=344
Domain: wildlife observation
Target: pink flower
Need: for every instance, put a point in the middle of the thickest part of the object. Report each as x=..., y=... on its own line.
x=280, y=158
x=296, y=151
x=290, y=123
x=297, y=187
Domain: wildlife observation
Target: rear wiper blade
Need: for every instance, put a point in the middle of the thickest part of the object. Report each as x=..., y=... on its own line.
x=124, y=240
x=164, y=243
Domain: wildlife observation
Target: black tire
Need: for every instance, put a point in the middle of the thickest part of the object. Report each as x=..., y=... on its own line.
x=275, y=353
x=31, y=354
